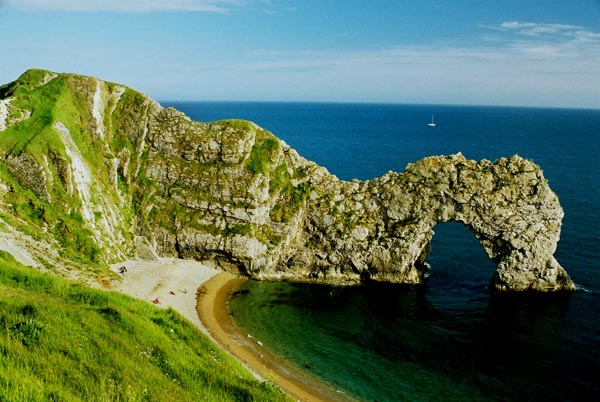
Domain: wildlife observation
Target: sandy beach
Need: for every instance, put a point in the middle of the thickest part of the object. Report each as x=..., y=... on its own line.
x=214, y=315
x=200, y=294
x=171, y=282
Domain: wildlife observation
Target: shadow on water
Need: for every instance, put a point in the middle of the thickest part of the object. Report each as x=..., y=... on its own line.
x=390, y=342
x=451, y=338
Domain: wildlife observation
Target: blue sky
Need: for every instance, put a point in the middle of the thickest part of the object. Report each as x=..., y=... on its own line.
x=504, y=52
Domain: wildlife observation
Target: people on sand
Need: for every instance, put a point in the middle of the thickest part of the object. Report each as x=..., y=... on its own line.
x=122, y=270
x=156, y=301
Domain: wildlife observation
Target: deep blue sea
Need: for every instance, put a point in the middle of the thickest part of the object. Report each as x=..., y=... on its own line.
x=450, y=338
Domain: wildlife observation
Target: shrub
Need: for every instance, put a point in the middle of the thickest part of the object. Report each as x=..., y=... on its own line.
x=28, y=332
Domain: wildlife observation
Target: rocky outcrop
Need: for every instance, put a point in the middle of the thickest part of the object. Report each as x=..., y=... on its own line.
x=231, y=193
x=266, y=212
x=381, y=229
x=30, y=173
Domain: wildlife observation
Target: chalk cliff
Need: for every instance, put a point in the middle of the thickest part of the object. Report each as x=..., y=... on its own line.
x=98, y=172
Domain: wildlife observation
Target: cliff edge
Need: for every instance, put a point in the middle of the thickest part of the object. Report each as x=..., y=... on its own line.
x=92, y=172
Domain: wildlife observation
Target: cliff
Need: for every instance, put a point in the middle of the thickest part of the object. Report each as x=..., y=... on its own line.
x=92, y=172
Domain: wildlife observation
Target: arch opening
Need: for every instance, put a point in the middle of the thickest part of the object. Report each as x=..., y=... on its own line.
x=457, y=260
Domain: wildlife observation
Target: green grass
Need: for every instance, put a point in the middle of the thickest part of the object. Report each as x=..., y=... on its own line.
x=60, y=100
x=262, y=155
x=61, y=341
x=242, y=229
x=292, y=199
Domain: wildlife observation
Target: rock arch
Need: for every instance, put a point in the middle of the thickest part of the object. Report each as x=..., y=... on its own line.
x=382, y=229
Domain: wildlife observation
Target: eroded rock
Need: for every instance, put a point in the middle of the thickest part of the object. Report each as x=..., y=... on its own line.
x=288, y=219
x=231, y=193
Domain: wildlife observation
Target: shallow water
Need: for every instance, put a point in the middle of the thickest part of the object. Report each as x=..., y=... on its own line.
x=451, y=338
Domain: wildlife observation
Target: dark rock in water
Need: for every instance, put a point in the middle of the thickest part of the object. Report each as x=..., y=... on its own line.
x=231, y=193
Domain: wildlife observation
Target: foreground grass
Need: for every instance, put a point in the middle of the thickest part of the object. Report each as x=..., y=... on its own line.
x=61, y=341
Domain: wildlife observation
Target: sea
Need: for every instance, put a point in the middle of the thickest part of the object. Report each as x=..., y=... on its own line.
x=452, y=338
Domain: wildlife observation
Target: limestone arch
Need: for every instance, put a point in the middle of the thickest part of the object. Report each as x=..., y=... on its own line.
x=507, y=205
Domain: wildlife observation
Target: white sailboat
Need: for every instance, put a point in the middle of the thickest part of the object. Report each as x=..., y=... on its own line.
x=432, y=124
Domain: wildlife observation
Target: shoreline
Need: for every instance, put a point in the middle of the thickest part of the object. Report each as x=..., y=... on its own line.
x=169, y=281
x=212, y=298
x=200, y=294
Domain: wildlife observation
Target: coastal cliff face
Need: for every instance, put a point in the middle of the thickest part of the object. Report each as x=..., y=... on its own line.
x=95, y=172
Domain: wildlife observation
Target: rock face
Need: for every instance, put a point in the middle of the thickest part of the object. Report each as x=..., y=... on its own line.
x=388, y=221
x=232, y=194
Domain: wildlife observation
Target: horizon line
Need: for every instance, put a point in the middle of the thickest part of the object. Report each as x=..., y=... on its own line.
x=382, y=103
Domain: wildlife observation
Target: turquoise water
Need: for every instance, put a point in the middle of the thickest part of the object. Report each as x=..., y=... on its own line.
x=451, y=338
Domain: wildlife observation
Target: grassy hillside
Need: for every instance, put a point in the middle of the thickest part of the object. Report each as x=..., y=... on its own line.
x=61, y=341
x=46, y=197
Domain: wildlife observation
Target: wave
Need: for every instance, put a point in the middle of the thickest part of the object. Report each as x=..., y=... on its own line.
x=583, y=289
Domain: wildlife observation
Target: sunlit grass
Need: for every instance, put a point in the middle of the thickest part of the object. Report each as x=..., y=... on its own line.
x=63, y=341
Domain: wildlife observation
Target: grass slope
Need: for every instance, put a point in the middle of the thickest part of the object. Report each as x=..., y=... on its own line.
x=61, y=341
x=59, y=100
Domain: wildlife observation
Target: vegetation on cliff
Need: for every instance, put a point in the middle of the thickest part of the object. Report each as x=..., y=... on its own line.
x=91, y=167
x=47, y=176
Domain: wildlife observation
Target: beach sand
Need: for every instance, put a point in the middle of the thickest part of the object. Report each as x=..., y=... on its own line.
x=213, y=296
x=200, y=294
x=150, y=280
